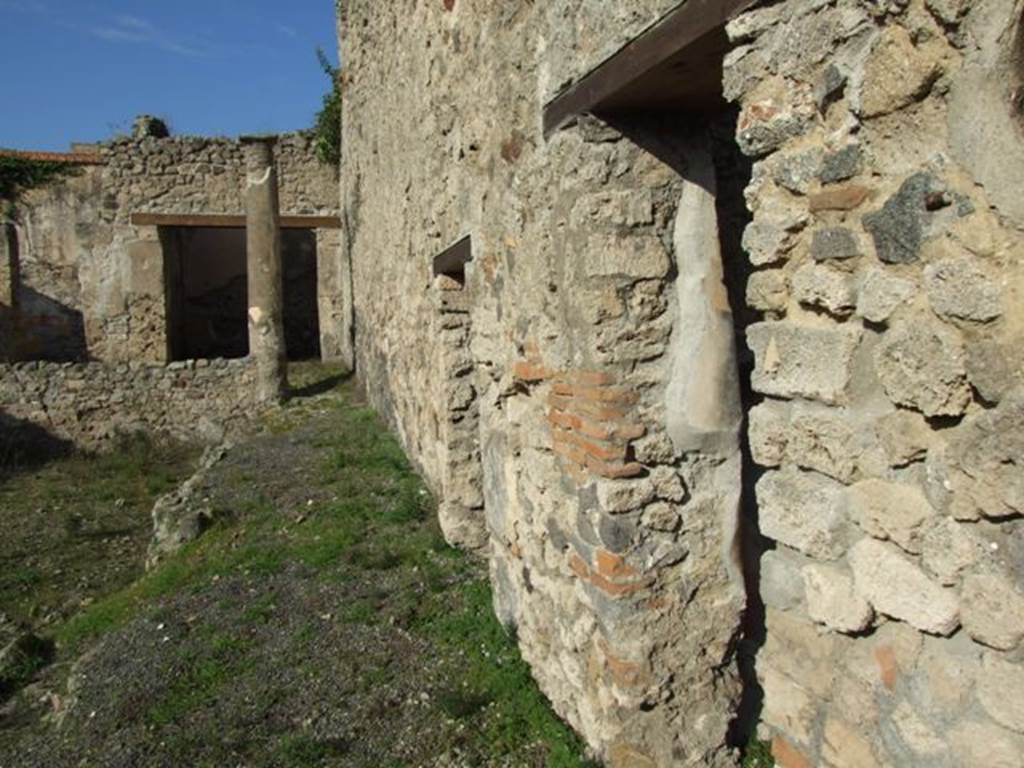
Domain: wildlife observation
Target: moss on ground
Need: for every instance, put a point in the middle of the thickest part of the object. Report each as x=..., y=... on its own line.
x=77, y=527
x=324, y=621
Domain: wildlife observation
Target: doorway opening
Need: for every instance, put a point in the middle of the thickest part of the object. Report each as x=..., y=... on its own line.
x=205, y=274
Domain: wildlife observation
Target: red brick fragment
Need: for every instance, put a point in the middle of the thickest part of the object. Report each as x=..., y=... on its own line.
x=530, y=372
x=788, y=756
x=613, y=471
x=614, y=566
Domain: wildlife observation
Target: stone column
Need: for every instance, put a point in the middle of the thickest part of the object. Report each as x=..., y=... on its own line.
x=263, y=249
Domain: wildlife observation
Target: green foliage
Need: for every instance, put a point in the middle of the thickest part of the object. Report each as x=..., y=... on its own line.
x=758, y=754
x=201, y=674
x=498, y=697
x=68, y=516
x=18, y=174
x=26, y=656
x=327, y=124
x=371, y=526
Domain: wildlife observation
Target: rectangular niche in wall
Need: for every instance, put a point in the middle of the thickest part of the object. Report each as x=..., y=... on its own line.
x=207, y=292
x=452, y=261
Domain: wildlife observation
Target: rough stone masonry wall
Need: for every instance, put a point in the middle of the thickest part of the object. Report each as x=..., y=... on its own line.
x=90, y=405
x=888, y=246
x=42, y=312
x=609, y=544
x=79, y=249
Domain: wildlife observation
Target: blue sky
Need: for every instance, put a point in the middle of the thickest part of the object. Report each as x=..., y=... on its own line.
x=80, y=70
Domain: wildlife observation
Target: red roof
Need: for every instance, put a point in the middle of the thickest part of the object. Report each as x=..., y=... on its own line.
x=75, y=158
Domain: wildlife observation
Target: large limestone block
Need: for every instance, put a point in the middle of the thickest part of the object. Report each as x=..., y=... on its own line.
x=922, y=365
x=833, y=601
x=949, y=548
x=1001, y=691
x=987, y=745
x=781, y=584
x=918, y=734
x=993, y=611
x=787, y=706
x=146, y=268
x=944, y=677
x=844, y=746
x=632, y=257
x=881, y=293
x=896, y=74
x=803, y=510
x=984, y=131
x=703, y=411
x=958, y=289
x=800, y=651
x=898, y=588
x=985, y=462
x=793, y=360
x=890, y=511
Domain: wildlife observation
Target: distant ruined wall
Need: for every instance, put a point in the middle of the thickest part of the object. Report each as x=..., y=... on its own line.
x=537, y=400
x=79, y=250
x=888, y=246
x=40, y=260
x=90, y=405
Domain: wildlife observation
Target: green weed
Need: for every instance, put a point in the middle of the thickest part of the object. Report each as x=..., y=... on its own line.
x=758, y=754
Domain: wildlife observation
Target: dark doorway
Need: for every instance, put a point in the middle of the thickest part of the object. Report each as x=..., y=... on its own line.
x=207, y=294
x=301, y=311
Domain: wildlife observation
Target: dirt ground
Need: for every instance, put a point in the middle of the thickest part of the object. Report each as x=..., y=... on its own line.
x=322, y=621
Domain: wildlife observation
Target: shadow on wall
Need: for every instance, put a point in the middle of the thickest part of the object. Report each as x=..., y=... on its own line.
x=34, y=326
x=659, y=135
x=42, y=328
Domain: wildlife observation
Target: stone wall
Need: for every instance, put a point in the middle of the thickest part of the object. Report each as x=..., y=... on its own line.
x=574, y=398
x=888, y=247
x=89, y=405
x=41, y=306
x=609, y=477
x=79, y=250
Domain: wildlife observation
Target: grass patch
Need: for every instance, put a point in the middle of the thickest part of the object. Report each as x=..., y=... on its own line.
x=498, y=693
x=28, y=655
x=79, y=524
x=300, y=751
x=203, y=673
x=372, y=531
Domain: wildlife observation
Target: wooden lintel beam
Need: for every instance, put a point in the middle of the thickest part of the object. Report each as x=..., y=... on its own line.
x=228, y=220
x=453, y=260
x=689, y=23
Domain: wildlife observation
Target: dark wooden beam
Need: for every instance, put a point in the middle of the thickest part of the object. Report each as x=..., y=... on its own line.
x=452, y=261
x=675, y=65
x=228, y=220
